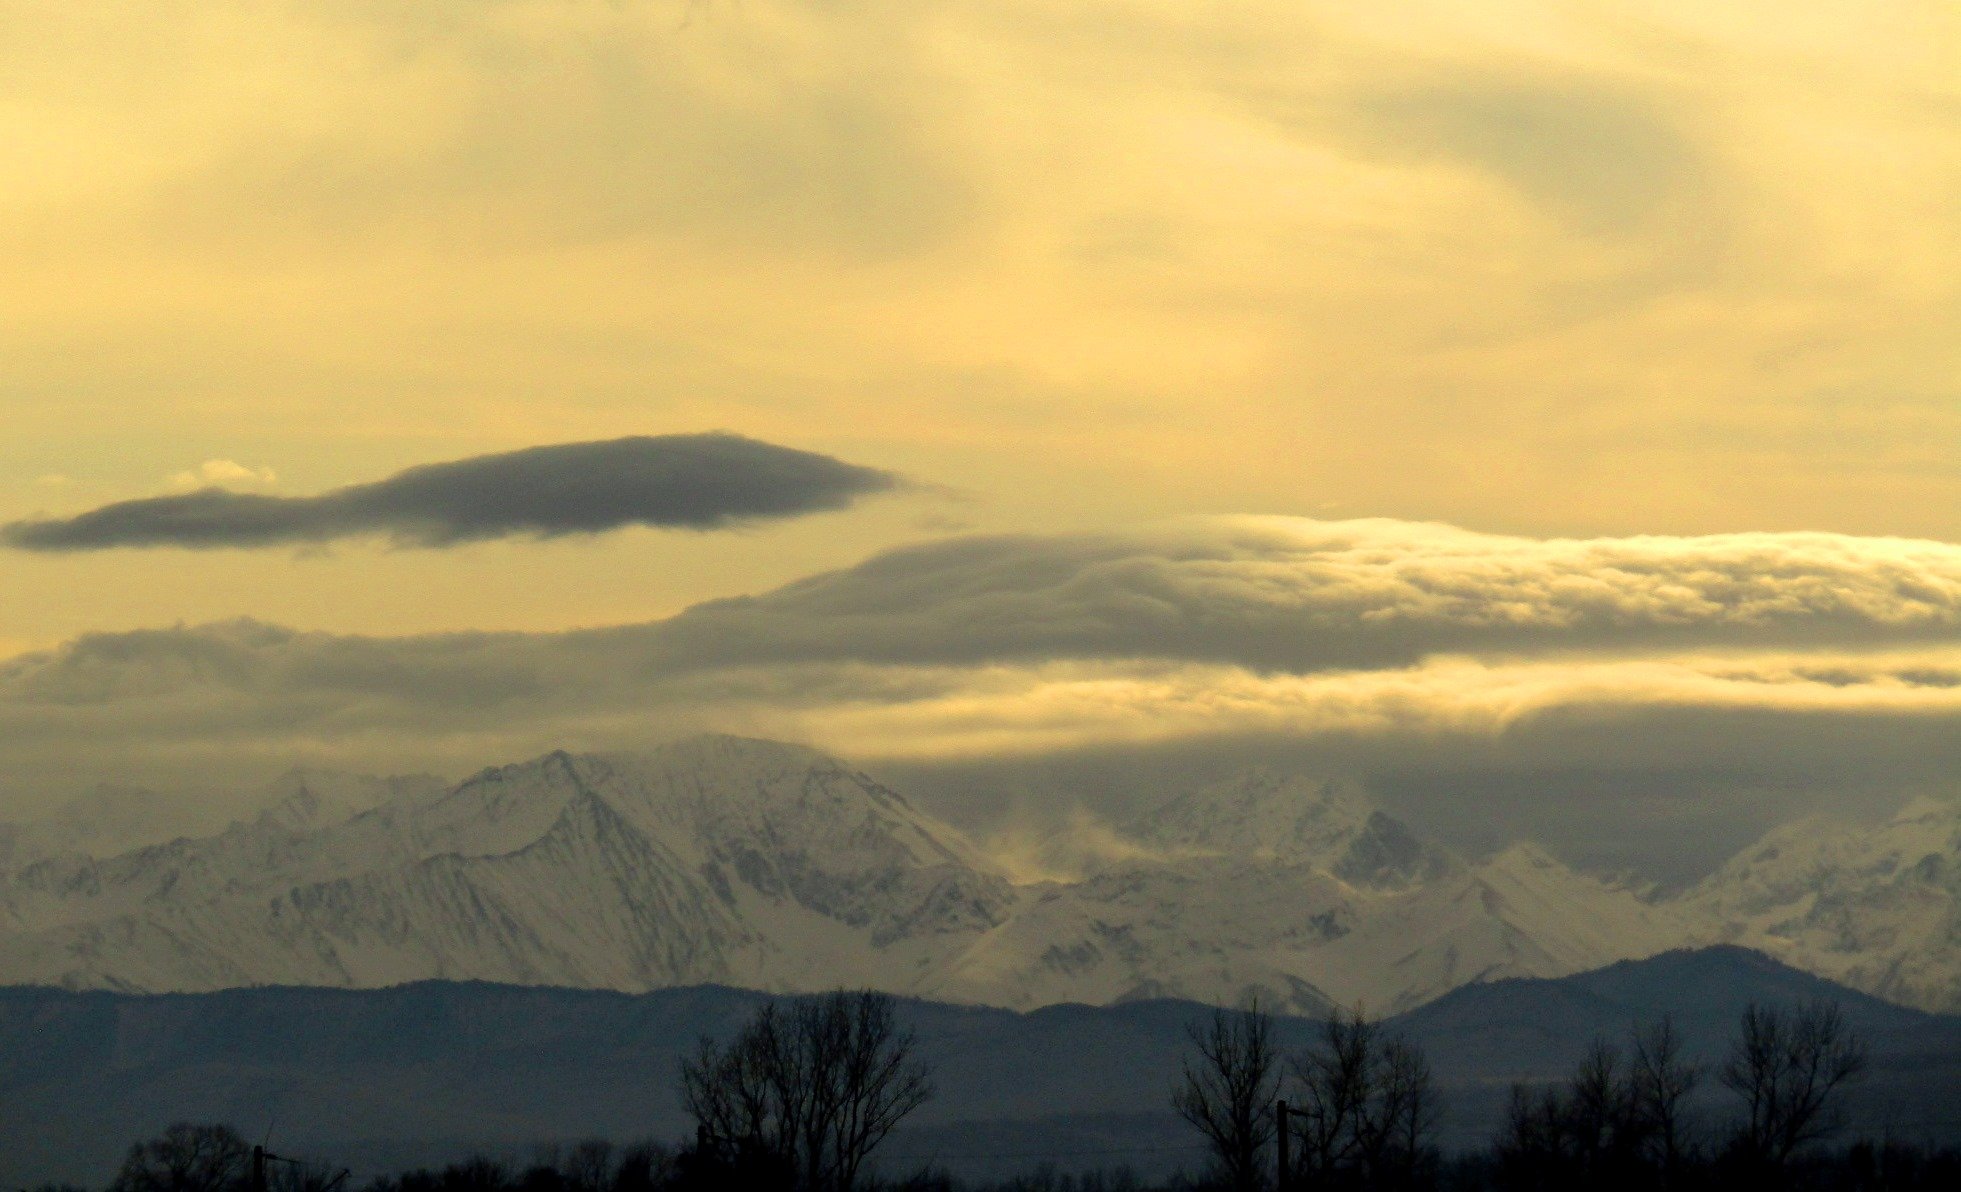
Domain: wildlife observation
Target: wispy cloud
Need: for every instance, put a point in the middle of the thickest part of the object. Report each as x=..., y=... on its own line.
x=697, y=482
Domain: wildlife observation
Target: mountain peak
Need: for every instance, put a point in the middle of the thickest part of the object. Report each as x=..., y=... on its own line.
x=1927, y=809
x=304, y=800
x=1263, y=815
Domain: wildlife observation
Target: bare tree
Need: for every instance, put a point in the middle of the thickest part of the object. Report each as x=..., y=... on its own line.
x=588, y=1166
x=187, y=1158
x=1228, y=1089
x=1407, y=1117
x=876, y=1081
x=1594, y=1130
x=803, y=1098
x=1532, y=1151
x=1367, y=1107
x=289, y=1175
x=1607, y=1129
x=1790, y=1067
x=1336, y=1080
x=1663, y=1083
x=643, y=1167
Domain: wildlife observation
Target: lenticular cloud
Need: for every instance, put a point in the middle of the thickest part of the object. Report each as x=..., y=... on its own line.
x=696, y=482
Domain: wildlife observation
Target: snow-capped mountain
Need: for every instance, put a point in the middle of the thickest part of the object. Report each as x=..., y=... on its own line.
x=772, y=866
x=308, y=800
x=1877, y=908
x=713, y=860
x=110, y=820
x=1306, y=894
x=1269, y=818
x=102, y=823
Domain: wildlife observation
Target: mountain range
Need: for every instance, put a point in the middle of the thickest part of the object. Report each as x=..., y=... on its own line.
x=770, y=866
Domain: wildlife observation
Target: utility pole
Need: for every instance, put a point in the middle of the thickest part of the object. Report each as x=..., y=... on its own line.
x=259, y=1169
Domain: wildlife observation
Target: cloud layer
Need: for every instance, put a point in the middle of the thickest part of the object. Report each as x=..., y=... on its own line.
x=1577, y=682
x=1289, y=594
x=697, y=482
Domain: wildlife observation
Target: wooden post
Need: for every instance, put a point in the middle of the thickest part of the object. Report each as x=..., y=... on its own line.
x=258, y=1169
x=1280, y=1143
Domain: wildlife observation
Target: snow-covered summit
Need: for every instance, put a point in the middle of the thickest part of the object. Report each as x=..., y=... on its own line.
x=1264, y=816
x=1873, y=906
x=716, y=859
x=1259, y=814
x=756, y=863
x=306, y=800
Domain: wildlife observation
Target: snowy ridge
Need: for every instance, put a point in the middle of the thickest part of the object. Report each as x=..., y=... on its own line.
x=1876, y=908
x=772, y=866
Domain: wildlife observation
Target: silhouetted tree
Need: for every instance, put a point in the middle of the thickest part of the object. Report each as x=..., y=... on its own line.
x=1592, y=1132
x=1367, y=1108
x=1228, y=1088
x=305, y=1177
x=802, y=1096
x=1789, y=1068
x=644, y=1167
x=187, y=1157
x=1663, y=1083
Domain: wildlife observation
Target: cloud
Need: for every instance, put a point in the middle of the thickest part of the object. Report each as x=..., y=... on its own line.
x=1603, y=159
x=697, y=482
x=219, y=473
x=1578, y=685
x=1295, y=594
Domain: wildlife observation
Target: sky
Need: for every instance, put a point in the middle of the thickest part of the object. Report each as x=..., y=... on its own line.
x=1548, y=412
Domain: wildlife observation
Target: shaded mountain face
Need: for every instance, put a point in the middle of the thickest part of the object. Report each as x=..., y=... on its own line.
x=425, y=1073
x=774, y=867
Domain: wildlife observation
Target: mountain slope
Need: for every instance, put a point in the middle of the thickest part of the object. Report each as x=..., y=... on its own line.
x=1305, y=894
x=1877, y=908
x=714, y=859
x=771, y=866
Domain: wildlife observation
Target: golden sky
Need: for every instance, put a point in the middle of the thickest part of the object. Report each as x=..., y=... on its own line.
x=1562, y=398
x=1570, y=268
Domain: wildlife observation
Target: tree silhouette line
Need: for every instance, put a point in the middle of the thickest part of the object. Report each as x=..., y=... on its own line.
x=801, y=1097
x=1355, y=1111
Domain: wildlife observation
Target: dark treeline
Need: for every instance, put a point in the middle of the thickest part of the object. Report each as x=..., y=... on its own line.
x=1355, y=1112
x=800, y=1099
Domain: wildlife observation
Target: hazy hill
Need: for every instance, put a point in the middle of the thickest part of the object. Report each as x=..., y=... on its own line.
x=378, y=1078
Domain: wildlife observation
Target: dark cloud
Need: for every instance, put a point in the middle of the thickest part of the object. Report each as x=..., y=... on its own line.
x=696, y=482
